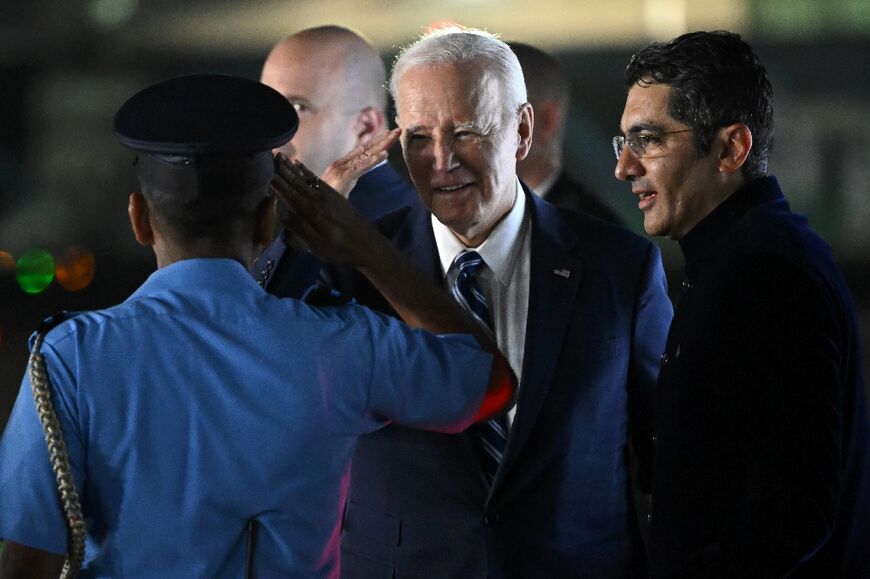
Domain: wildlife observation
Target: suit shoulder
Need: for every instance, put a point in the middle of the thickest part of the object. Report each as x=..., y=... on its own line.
x=779, y=240
x=392, y=221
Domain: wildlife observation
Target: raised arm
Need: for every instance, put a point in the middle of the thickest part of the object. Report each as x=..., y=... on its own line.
x=320, y=220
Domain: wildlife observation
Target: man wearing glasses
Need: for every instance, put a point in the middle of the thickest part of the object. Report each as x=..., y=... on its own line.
x=761, y=459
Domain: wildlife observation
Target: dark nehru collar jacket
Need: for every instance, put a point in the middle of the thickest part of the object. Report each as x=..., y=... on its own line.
x=285, y=272
x=761, y=458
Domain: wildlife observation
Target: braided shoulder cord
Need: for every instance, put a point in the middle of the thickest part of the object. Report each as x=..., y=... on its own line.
x=69, y=496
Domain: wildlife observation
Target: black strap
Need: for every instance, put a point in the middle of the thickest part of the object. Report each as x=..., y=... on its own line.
x=249, y=559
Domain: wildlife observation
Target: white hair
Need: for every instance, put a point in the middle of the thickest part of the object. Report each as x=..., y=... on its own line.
x=459, y=45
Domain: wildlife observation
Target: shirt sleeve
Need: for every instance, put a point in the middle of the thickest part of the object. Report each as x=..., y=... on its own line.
x=30, y=512
x=410, y=376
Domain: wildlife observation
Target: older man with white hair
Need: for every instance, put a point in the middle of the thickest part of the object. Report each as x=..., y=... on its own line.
x=578, y=306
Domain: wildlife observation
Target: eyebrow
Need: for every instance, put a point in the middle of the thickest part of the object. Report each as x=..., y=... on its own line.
x=638, y=127
x=466, y=125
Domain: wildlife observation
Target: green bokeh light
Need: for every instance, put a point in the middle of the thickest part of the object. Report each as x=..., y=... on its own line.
x=34, y=270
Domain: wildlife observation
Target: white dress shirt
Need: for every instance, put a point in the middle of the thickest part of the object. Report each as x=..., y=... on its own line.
x=504, y=280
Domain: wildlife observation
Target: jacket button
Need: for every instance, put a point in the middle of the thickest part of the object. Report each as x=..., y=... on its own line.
x=269, y=264
x=687, y=284
x=664, y=358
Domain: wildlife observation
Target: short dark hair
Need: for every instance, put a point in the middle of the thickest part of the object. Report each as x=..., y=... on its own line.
x=204, y=198
x=717, y=80
x=204, y=216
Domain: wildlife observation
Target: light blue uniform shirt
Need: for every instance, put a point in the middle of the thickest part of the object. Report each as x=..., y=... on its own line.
x=202, y=402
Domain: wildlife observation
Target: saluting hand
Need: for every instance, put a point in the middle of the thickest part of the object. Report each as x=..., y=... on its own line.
x=318, y=219
x=343, y=174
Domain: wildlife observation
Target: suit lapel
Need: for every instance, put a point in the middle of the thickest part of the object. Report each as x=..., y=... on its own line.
x=555, y=273
x=416, y=240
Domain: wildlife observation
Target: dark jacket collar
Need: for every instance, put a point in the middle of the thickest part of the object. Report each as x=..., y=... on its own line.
x=698, y=243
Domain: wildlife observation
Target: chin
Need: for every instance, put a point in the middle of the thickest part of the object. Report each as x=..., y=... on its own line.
x=656, y=229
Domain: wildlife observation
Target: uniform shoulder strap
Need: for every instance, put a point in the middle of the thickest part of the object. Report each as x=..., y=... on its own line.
x=60, y=463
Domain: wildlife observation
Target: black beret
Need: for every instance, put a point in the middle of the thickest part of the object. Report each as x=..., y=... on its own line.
x=205, y=134
x=206, y=114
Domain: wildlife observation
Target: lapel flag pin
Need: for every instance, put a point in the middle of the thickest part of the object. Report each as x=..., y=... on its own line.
x=562, y=272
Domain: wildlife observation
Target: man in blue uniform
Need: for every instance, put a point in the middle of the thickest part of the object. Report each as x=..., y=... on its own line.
x=209, y=425
x=761, y=464
x=335, y=80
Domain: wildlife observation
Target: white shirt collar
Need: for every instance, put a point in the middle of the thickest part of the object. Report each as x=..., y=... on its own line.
x=500, y=250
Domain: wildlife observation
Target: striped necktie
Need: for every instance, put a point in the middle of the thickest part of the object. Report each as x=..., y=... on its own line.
x=490, y=436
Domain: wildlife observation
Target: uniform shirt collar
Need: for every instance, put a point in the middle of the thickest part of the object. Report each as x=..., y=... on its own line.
x=192, y=275
x=499, y=251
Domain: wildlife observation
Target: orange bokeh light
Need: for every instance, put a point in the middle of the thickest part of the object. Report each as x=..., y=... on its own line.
x=7, y=262
x=74, y=269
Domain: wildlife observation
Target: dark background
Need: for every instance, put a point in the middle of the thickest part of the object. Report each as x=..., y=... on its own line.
x=66, y=67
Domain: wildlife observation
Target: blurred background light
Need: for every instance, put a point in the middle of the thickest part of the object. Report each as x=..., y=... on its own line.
x=34, y=270
x=111, y=13
x=75, y=268
x=7, y=262
x=665, y=18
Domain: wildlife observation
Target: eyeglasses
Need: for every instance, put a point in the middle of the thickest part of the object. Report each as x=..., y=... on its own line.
x=644, y=143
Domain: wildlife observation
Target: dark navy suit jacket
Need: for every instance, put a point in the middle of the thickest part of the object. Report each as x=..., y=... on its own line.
x=561, y=502
x=286, y=272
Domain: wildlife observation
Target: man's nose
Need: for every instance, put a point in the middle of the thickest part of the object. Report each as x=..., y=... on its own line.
x=628, y=165
x=445, y=158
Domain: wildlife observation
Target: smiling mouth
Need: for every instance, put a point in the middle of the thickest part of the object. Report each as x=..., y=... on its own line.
x=645, y=199
x=451, y=188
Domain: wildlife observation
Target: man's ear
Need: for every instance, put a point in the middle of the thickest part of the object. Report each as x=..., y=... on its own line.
x=369, y=124
x=735, y=143
x=524, y=131
x=140, y=219
x=265, y=220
